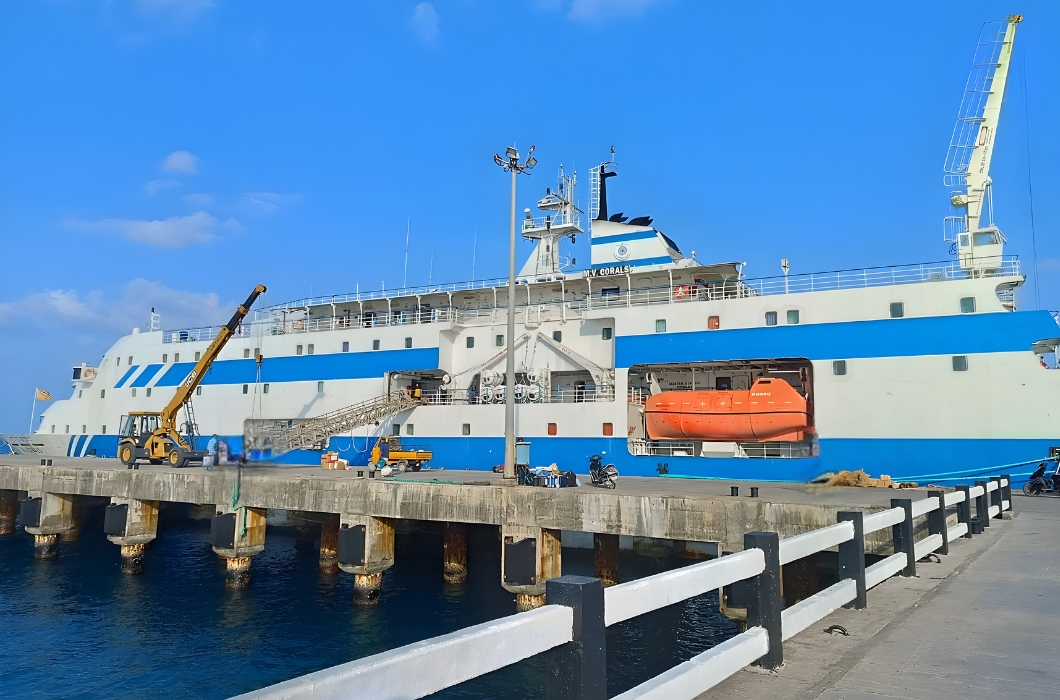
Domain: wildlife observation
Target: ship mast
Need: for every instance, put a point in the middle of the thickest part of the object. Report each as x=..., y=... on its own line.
x=967, y=166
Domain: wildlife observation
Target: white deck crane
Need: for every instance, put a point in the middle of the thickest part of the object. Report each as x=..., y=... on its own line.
x=979, y=248
x=603, y=377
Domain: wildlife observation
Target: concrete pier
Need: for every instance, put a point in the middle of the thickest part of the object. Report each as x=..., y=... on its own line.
x=54, y=518
x=529, y=557
x=455, y=552
x=46, y=547
x=8, y=511
x=373, y=542
x=366, y=587
x=131, y=524
x=329, y=544
x=74, y=533
x=237, y=572
x=132, y=558
x=238, y=535
x=605, y=558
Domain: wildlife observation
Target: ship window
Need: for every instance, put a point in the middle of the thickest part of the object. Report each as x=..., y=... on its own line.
x=409, y=429
x=839, y=367
x=606, y=333
x=68, y=428
x=84, y=428
x=396, y=429
x=320, y=387
x=102, y=393
x=265, y=389
x=117, y=362
x=310, y=349
x=245, y=387
x=79, y=393
x=53, y=428
x=968, y=305
x=723, y=383
x=500, y=341
x=298, y=350
x=793, y=317
x=897, y=309
x=103, y=429
x=609, y=429
x=246, y=353
x=984, y=238
x=964, y=240
x=346, y=346
x=551, y=428
x=375, y=344
x=198, y=391
x=148, y=391
x=176, y=357
x=557, y=336
x=960, y=363
x=465, y=429
x=660, y=325
x=257, y=354
x=134, y=392
x=408, y=342
x=470, y=341
x=713, y=323
x=609, y=292
x=130, y=360
x=165, y=359
x=771, y=318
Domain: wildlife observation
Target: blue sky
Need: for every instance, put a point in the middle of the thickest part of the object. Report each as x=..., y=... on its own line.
x=173, y=153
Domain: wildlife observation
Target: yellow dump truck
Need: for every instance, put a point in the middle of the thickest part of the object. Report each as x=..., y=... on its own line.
x=401, y=457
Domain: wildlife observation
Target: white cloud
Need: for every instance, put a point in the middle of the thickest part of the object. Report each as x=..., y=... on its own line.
x=199, y=199
x=602, y=10
x=181, y=161
x=425, y=21
x=118, y=312
x=1049, y=265
x=154, y=186
x=174, y=232
x=267, y=202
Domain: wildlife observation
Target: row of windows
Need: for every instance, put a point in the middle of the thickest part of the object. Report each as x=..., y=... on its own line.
x=84, y=429
x=958, y=362
x=552, y=429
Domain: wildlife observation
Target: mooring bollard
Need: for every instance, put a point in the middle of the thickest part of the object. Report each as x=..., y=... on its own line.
x=902, y=535
x=765, y=604
x=982, y=511
x=964, y=511
x=577, y=670
x=937, y=521
x=734, y=490
x=852, y=557
x=754, y=492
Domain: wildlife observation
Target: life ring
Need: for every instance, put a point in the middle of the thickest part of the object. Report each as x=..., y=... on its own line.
x=681, y=291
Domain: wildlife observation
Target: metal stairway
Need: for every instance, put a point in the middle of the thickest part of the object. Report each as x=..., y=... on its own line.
x=280, y=436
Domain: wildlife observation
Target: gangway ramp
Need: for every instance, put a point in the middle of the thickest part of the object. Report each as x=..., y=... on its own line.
x=283, y=435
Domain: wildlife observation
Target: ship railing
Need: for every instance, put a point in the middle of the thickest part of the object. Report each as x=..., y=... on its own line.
x=572, y=627
x=422, y=290
x=523, y=395
x=640, y=447
x=188, y=335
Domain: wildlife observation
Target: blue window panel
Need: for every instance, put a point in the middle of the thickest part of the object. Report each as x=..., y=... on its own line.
x=125, y=377
x=147, y=375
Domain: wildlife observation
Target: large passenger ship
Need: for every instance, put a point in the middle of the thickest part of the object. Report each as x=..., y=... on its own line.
x=659, y=362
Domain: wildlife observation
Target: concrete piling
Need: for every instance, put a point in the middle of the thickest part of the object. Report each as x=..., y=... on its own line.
x=329, y=544
x=605, y=558
x=237, y=572
x=8, y=511
x=455, y=552
x=74, y=533
x=529, y=557
x=366, y=587
x=132, y=558
x=46, y=547
x=132, y=525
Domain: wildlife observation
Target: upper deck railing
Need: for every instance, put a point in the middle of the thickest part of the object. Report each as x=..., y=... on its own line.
x=606, y=293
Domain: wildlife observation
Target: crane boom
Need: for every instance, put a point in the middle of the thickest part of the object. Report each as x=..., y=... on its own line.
x=185, y=389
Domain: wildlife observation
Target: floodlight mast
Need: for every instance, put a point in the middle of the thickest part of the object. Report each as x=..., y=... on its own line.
x=510, y=163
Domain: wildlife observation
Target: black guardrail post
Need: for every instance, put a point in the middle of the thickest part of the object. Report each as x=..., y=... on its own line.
x=982, y=512
x=578, y=670
x=1007, y=492
x=902, y=534
x=765, y=604
x=964, y=511
x=852, y=557
x=937, y=521
x=996, y=495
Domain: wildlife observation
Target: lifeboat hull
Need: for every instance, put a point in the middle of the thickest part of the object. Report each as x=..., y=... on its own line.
x=770, y=410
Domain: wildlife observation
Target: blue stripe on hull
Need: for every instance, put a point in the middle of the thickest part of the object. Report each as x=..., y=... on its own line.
x=899, y=337
x=306, y=368
x=125, y=377
x=146, y=376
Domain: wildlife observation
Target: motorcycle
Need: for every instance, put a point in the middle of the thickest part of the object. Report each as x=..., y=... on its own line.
x=1037, y=484
x=602, y=474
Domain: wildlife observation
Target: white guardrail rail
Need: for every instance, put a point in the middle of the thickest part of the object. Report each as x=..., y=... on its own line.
x=571, y=628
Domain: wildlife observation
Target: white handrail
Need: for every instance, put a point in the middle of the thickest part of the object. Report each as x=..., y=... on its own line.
x=992, y=511
x=804, y=613
x=954, y=497
x=627, y=600
x=958, y=530
x=1005, y=505
x=925, y=505
x=884, y=569
x=882, y=519
x=975, y=492
x=688, y=680
x=422, y=668
x=799, y=546
x=926, y=546
x=991, y=486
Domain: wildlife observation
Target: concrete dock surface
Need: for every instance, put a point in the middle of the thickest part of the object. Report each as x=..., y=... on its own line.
x=982, y=623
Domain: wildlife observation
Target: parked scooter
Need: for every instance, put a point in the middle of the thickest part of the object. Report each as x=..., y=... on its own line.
x=1039, y=483
x=602, y=474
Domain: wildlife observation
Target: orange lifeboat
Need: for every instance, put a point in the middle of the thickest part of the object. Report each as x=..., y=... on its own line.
x=771, y=410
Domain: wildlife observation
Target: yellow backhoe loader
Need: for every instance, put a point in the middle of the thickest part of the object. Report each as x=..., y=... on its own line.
x=154, y=436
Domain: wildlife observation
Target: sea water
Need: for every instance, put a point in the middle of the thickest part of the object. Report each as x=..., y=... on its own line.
x=76, y=627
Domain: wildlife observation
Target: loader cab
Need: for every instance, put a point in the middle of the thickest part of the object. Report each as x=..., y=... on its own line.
x=139, y=425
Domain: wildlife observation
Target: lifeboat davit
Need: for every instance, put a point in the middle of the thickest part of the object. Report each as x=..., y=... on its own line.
x=770, y=410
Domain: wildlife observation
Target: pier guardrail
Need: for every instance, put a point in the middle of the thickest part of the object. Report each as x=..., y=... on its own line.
x=570, y=630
